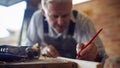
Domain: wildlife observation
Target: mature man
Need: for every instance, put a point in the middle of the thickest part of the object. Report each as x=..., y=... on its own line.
x=61, y=32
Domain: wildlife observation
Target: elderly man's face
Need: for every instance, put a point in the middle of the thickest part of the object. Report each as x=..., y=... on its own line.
x=58, y=15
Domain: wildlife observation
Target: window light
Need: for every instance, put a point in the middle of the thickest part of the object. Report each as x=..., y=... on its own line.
x=79, y=1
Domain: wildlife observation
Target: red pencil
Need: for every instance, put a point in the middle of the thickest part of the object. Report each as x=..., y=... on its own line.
x=89, y=42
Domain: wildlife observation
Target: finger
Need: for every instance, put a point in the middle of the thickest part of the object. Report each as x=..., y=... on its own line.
x=44, y=51
x=49, y=53
x=88, y=49
x=84, y=53
x=53, y=51
x=78, y=47
x=83, y=57
x=90, y=46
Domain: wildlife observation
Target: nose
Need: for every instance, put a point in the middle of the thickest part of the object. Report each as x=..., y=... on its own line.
x=60, y=20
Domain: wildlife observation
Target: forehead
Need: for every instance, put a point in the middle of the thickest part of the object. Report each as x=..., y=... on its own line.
x=59, y=7
x=57, y=0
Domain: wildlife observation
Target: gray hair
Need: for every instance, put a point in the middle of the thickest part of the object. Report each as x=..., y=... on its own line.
x=43, y=2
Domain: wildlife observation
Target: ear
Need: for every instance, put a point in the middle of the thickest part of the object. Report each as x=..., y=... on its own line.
x=43, y=12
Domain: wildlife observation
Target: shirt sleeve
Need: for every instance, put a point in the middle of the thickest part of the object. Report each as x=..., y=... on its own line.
x=98, y=42
x=33, y=32
x=85, y=31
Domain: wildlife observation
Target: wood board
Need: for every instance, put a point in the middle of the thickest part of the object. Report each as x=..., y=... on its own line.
x=41, y=63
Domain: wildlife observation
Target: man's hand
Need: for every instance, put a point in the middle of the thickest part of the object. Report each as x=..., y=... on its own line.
x=49, y=51
x=89, y=53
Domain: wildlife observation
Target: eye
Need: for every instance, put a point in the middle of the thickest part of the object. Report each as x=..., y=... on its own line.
x=66, y=15
x=55, y=16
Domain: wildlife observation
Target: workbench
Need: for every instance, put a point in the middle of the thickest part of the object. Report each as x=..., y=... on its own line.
x=59, y=62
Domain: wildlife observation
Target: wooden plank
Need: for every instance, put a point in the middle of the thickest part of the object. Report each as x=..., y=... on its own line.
x=59, y=62
x=42, y=63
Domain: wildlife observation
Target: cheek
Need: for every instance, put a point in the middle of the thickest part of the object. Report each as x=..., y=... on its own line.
x=51, y=22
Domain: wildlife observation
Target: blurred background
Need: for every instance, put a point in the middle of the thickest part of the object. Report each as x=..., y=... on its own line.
x=16, y=14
